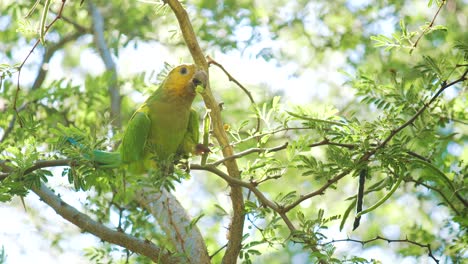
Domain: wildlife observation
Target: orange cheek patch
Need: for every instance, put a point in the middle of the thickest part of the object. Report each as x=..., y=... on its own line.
x=178, y=87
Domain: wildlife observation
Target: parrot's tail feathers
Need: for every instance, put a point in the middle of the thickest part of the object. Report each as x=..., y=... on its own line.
x=106, y=159
x=103, y=159
x=74, y=142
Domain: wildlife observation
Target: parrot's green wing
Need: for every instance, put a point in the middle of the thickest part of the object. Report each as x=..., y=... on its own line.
x=135, y=137
x=192, y=135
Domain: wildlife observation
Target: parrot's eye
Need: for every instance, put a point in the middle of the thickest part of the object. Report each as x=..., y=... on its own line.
x=183, y=71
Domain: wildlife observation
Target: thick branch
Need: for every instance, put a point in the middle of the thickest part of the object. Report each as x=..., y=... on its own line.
x=87, y=224
x=194, y=244
x=175, y=222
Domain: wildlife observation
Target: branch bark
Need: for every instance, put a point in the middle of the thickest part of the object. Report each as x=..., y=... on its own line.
x=87, y=224
x=176, y=224
x=237, y=222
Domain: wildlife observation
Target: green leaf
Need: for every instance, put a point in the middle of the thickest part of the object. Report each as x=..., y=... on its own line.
x=348, y=210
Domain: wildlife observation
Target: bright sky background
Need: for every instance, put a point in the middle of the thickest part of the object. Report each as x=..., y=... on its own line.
x=27, y=240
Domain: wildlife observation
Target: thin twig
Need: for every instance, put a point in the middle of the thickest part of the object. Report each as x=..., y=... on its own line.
x=238, y=182
x=249, y=151
x=49, y=53
x=40, y=77
x=46, y=29
x=78, y=27
x=326, y=141
x=415, y=116
x=278, y=148
x=284, y=129
x=436, y=190
x=218, y=250
x=429, y=27
x=406, y=240
x=234, y=80
x=319, y=191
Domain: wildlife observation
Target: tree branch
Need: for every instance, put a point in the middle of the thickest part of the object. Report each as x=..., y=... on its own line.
x=104, y=52
x=87, y=224
x=238, y=182
x=175, y=222
x=419, y=182
x=37, y=165
x=319, y=191
x=237, y=222
x=249, y=151
x=406, y=240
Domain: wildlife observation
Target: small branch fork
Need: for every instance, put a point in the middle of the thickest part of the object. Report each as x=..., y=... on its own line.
x=406, y=240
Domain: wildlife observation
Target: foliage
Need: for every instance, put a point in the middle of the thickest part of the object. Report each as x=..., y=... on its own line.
x=397, y=110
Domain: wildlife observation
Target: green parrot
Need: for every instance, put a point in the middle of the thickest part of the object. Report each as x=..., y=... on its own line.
x=163, y=129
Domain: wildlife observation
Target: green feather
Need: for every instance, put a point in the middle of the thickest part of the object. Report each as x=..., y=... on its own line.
x=107, y=159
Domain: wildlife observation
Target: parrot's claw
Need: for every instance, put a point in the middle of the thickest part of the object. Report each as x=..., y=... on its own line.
x=201, y=149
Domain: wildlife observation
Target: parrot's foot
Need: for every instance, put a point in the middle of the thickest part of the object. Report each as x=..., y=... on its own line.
x=201, y=149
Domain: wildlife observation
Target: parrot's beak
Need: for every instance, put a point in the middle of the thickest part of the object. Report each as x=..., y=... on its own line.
x=200, y=79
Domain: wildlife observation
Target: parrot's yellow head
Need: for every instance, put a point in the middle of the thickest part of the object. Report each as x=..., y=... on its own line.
x=183, y=80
